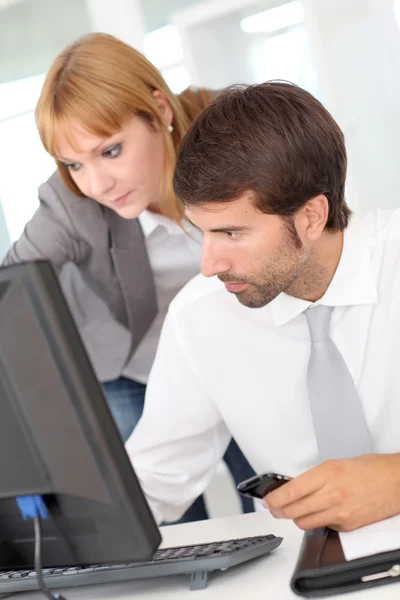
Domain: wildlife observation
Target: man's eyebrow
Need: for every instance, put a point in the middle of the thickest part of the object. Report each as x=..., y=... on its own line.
x=224, y=229
x=228, y=228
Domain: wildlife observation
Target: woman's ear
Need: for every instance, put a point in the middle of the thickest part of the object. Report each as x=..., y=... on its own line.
x=164, y=107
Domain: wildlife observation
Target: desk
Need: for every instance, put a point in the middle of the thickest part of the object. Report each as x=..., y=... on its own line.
x=266, y=577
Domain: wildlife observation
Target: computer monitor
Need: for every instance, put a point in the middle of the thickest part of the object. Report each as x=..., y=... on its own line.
x=58, y=438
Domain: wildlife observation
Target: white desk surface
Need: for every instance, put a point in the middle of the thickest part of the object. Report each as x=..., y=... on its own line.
x=266, y=577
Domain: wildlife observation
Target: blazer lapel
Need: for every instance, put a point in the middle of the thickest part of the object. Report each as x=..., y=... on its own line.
x=131, y=262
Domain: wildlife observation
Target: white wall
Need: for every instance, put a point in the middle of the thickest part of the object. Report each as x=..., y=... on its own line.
x=156, y=12
x=32, y=32
x=224, y=61
x=357, y=47
x=122, y=18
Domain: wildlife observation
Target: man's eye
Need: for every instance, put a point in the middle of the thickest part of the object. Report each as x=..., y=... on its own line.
x=112, y=151
x=233, y=235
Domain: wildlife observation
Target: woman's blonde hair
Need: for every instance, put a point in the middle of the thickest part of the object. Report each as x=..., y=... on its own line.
x=100, y=82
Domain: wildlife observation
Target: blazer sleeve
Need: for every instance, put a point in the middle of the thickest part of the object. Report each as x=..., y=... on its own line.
x=50, y=234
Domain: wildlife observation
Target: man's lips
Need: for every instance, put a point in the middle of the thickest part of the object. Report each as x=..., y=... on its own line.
x=235, y=286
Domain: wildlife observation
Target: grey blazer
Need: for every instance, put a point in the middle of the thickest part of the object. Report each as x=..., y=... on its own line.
x=103, y=268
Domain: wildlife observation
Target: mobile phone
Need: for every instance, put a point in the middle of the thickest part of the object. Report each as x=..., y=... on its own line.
x=261, y=485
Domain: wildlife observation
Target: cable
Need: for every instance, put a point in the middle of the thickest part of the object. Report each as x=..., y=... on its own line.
x=38, y=562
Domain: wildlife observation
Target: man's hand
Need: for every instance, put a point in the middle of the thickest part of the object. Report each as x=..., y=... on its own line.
x=341, y=494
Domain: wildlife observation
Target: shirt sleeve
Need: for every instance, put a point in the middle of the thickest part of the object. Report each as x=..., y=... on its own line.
x=181, y=438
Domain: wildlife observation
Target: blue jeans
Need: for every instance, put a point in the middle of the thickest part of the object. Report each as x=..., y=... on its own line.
x=125, y=398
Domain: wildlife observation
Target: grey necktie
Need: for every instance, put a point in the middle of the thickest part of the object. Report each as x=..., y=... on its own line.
x=338, y=417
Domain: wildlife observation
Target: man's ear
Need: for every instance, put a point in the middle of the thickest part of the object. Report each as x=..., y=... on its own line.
x=164, y=107
x=316, y=212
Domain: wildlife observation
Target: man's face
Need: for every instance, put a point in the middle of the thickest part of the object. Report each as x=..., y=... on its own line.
x=256, y=255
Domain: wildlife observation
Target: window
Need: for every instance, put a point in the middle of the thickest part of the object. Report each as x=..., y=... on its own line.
x=163, y=48
x=274, y=19
x=24, y=162
x=279, y=46
x=396, y=8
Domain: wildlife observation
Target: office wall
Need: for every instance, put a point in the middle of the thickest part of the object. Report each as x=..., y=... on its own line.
x=122, y=18
x=156, y=12
x=220, y=38
x=32, y=32
x=4, y=235
x=357, y=48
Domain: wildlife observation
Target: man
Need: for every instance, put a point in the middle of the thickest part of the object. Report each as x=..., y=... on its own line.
x=308, y=383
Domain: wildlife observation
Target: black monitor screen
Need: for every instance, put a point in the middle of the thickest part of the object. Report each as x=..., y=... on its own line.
x=58, y=439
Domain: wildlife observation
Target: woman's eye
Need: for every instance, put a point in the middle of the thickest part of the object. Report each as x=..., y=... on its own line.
x=113, y=151
x=72, y=166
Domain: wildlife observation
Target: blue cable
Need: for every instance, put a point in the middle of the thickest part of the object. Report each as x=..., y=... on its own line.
x=34, y=507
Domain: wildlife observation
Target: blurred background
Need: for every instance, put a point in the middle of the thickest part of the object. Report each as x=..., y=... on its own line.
x=346, y=52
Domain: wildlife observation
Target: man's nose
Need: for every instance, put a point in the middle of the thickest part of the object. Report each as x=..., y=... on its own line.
x=212, y=262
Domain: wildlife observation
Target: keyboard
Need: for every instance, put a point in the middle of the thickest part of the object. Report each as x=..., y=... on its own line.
x=196, y=561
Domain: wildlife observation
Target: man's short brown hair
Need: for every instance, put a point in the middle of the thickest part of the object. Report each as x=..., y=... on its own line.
x=274, y=139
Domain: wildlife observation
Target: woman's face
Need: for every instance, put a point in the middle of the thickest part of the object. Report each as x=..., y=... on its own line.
x=122, y=172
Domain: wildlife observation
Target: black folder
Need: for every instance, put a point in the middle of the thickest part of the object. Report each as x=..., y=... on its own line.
x=322, y=569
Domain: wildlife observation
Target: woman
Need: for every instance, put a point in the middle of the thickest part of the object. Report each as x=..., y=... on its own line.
x=108, y=218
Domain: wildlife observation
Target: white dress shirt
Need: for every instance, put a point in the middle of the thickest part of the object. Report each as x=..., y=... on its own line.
x=222, y=368
x=174, y=256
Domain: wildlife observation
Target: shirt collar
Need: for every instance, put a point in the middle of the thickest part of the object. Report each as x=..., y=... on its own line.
x=353, y=282
x=149, y=222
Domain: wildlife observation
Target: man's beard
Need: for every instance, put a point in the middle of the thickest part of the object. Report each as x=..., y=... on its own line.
x=277, y=275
